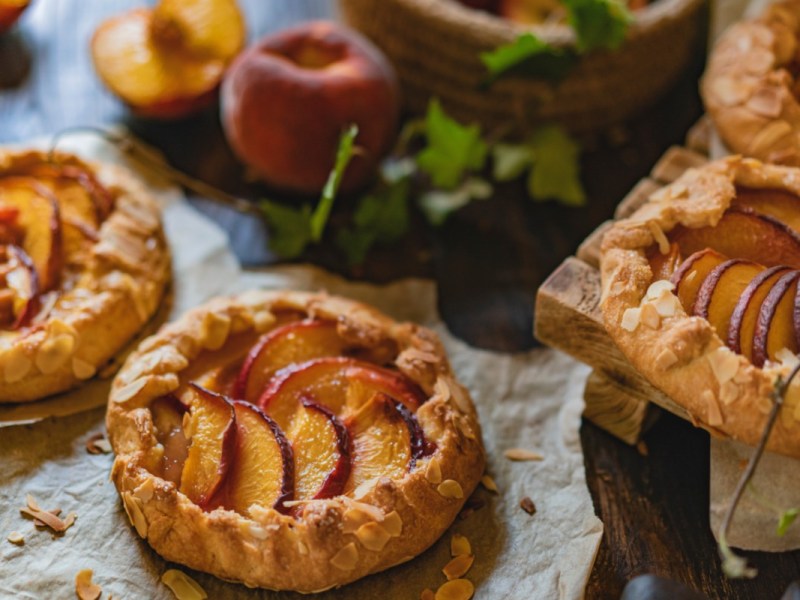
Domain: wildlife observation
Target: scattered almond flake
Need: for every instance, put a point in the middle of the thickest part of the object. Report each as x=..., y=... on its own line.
x=56, y=512
x=724, y=364
x=787, y=358
x=293, y=503
x=427, y=594
x=433, y=472
x=365, y=488
x=641, y=448
x=666, y=359
x=521, y=454
x=666, y=305
x=459, y=545
x=649, y=316
x=457, y=589
x=373, y=536
x=450, y=488
x=46, y=518
x=84, y=588
x=458, y=566
x=183, y=586
x=135, y=514
x=659, y=288
x=728, y=392
x=98, y=444
x=346, y=558
x=15, y=537
x=714, y=416
x=630, y=319
x=441, y=389
x=31, y=502
x=144, y=491
x=393, y=523
x=659, y=237
x=489, y=484
x=690, y=277
x=69, y=521
x=527, y=505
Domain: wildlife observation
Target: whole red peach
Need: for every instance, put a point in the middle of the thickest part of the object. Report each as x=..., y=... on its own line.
x=287, y=99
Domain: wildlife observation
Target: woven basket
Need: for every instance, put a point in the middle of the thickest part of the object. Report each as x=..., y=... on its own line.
x=435, y=46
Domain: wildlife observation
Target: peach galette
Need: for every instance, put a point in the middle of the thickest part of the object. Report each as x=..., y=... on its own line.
x=751, y=87
x=290, y=440
x=700, y=292
x=83, y=265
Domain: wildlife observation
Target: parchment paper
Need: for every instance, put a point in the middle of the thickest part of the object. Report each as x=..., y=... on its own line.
x=531, y=400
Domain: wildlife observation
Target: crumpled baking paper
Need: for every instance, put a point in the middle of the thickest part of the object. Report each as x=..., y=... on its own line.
x=529, y=400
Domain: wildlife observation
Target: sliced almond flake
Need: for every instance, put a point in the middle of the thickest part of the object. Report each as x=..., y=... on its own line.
x=666, y=359
x=129, y=391
x=617, y=288
x=659, y=288
x=56, y=512
x=450, y=488
x=489, y=484
x=46, y=518
x=346, y=558
x=84, y=588
x=458, y=566
x=728, y=392
x=690, y=277
x=365, y=488
x=183, y=586
x=649, y=316
x=631, y=318
x=373, y=536
x=666, y=305
x=393, y=523
x=69, y=521
x=293, y=503
x=144, y=491
x=659, y=237
x=433, y=472
x=135, y=514
x=459, y=545
x=31, y=502
x=457, y=589
x=15, y=537
x=98, y=444
x=521, y=454
x=724, y=364
x=787, y=358
x=714, y=415
x=441, y=389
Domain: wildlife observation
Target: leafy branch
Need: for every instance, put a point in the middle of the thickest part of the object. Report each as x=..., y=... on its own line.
x=733, y=565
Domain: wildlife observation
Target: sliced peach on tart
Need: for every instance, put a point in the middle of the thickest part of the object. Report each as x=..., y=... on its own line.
x=721, y=290
x=664, y=265
x=741, y=329
x=22, y=283
x=322, y=452
x=778, y=204
x=744, y=234
x=262, y=472
x=775, y=328
x=211, y=431
x=689, y=277
x=168, y=413
x=293, y=343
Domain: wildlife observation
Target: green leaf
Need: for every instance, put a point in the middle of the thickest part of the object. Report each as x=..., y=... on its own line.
x=379, y=218
x=786, y=520
x=452, y=148
x=598, y=23
x=437, y=205
x=323, y=210
x=290, y=228
x=510, y=161
x=556, y=170
x=528, y=56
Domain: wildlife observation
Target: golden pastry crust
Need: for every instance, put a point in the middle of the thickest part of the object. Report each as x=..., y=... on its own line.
x=682, y=355
x=108, y=292
x=750, y=88
x=330, y=542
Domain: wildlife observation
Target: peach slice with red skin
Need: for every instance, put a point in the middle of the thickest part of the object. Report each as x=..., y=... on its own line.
x=322, y=452
x=211, y=431
x=664, y=265
x=721, y=290
x=743, y=319
x=168, y=412
x=744, y=234
x=23, y=281
x=262, y=472
x=293, y=343
x=775, y=324
x=778, y=204
x=334, y=382
x=691, y=274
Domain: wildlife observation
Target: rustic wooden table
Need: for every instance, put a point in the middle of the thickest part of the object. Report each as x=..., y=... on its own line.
x=488, y=261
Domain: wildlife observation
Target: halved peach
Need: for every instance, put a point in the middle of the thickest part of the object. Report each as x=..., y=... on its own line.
x=744, y=234
x=322, y=453
x=22, y=280
x=10, y=11
x=340, y=384
x=775, y=324
x=211, y=431
x=721, y=290
x=168, y=62
x=664, y=265
x=39, y=216
x=779, y=204
x=167, y=412
x=745, y=314
x=691, y=274
x=263, y=470
x=381, y=442
x=293, y=343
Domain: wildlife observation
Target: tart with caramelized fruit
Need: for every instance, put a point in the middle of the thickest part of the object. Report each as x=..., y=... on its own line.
x=83, y=265
x=751, y=88
x=700, y=292
x=292, y=441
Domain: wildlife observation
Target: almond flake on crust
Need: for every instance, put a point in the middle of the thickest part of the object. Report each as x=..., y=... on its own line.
x=659, y=236
x=183, y=586
x=82, y=369
x=131, y=390
x=450, y=488
x=433, y=472
x=346, y=558
x=649, y=316
x=458, y=566
x=658, y=288
x=724, y=364
x=728, y=392
x=667, y=304
x=214, y=330
x=714, y=415
x=133, y=509
x=631, y=318
x=666, y=359
x=373, y=536
x=84, y=588
x=393, y=523
x=16, y=365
